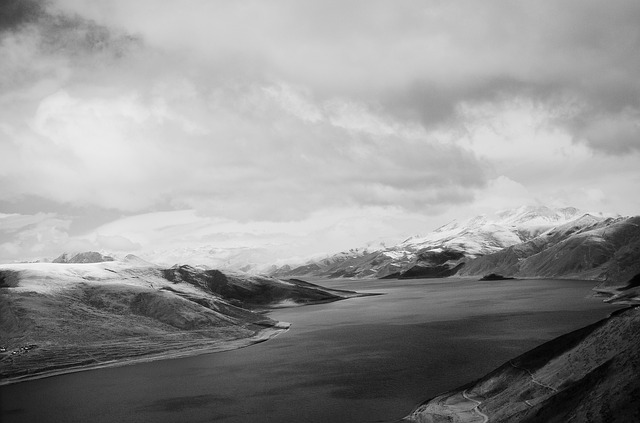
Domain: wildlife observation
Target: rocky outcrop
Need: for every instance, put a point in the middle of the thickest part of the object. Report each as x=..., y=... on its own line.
x=628, y=294
x=494, y=277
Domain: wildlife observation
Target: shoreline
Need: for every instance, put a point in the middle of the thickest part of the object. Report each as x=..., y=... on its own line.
x=555, y=351
x=215, y=346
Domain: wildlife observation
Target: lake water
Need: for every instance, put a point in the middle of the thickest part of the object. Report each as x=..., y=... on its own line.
x=369, y=359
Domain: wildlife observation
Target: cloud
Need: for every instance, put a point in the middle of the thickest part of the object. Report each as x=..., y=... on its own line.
x=16, y=13
x=417, y=60
x=186, y=236
x=116, y=243
x=260, y=112
x=47, y=235
x=612, y=133
x=136, y=149
x=30, y=235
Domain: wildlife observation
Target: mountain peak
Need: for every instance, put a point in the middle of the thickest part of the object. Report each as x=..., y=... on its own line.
x=85, y=257
x=537, y=214
x=500, y=229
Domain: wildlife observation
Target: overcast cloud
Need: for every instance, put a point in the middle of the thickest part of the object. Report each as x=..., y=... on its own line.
x=324, y=124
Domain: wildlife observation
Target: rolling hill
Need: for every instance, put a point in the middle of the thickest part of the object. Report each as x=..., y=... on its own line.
x=57, y=317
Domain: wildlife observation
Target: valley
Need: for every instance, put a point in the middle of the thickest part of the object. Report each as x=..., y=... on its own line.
x=504, y=283
x=371, y=358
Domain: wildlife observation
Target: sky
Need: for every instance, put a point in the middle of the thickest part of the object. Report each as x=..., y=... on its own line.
x=271, y=131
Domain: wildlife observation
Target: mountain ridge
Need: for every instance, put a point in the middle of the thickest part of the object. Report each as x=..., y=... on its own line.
x=453, y=248
x=607, y=250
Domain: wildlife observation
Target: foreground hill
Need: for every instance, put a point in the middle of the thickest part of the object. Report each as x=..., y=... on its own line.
x=58, y=317
x=442, y=252
x=587, y=248
x=589, y=375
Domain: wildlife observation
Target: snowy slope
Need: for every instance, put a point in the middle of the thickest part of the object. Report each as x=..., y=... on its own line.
x=444, y=248
x=488, y=233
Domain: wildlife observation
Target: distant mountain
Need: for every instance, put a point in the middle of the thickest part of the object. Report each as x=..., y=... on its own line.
x=55, y=317
x=86, y=257
x=442, y=252
x=589, y=247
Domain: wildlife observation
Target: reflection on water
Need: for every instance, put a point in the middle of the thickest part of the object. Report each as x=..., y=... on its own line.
x=367, y=359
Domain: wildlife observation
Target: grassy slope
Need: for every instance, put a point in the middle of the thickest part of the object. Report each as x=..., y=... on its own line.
x=90, y=314
x=586, y=375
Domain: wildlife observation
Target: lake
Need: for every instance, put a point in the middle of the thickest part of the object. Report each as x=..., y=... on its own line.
x=368, y=359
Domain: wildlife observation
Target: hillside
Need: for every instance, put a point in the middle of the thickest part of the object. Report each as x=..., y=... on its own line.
x=587, y=248
x=58, y=317
x=589, y=375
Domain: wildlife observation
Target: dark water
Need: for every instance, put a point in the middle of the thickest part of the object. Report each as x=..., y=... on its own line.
x=368, y=359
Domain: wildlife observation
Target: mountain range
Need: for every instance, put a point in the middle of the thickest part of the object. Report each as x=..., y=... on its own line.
x=586, y=248
x=530, y=241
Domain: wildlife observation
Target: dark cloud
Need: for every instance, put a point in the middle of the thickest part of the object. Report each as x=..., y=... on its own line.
x=42, y=44
x=77, y=37
x=14, y=14
x=615, y=134
x=61, y=33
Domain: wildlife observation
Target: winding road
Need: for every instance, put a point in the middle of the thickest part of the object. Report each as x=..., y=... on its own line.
x=533, y=379
x=485, y=418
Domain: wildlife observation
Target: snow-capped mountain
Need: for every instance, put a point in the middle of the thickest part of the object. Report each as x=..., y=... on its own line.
x=488, y=233
x=586, y=248
x=441, y=252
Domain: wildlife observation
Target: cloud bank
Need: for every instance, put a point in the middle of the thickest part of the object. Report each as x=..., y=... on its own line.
x=275, y=112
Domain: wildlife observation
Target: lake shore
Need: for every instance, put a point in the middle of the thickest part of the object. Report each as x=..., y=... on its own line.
x=189, y=349
x=364, y=359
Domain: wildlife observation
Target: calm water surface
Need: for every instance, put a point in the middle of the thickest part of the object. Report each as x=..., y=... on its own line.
x=368, y=359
